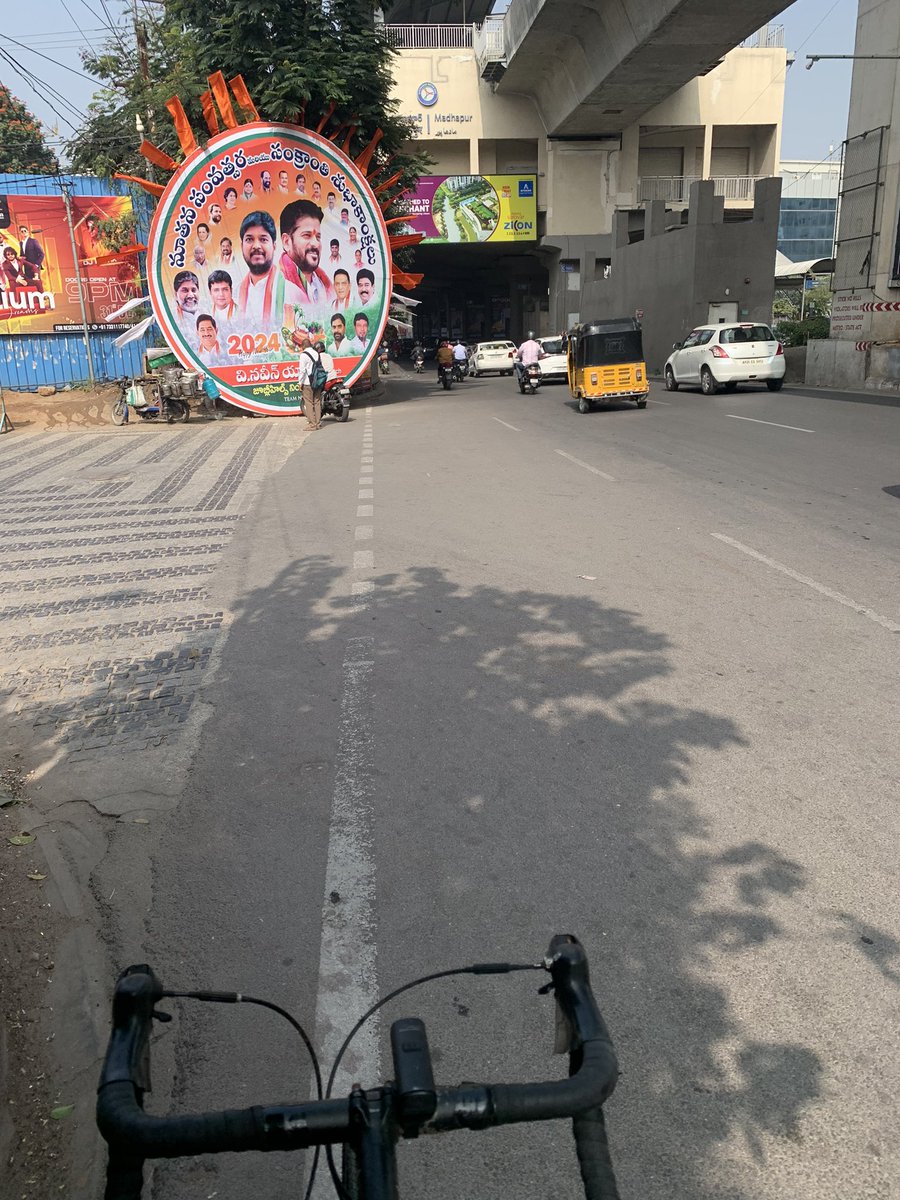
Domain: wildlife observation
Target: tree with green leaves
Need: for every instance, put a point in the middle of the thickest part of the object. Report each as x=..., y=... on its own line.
x=297, y=58
x=23, y=145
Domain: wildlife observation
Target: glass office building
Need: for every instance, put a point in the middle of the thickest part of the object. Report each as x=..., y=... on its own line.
x=808, y=216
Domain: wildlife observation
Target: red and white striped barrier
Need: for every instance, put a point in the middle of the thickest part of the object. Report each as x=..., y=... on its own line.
x=881, y=306
x=864, y=345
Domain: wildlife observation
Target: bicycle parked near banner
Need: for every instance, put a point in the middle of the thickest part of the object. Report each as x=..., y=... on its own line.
x=367, y=1123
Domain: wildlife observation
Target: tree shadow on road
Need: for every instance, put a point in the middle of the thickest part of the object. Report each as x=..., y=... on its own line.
x=533, y=771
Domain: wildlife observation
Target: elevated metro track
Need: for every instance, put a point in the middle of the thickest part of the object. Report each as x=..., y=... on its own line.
x=593, y=67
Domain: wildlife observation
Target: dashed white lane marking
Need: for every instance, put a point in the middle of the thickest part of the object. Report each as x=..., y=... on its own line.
x=668, y=403
x=363, y=560
x=775, y=424
x=348, y=982
x=514, y=428
x=587, y=466
x=367, y=458
x=365, y=480
x=364, y=533
x=839, y=597
x=365, y=510
x=366, y=493
x=364, y=587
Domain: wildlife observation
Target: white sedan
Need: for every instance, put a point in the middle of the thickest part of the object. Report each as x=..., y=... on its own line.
x=553, y=366
x=715, y=356
x=492, y=356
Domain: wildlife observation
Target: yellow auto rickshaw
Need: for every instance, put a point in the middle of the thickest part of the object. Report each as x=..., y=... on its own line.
x=605, y=361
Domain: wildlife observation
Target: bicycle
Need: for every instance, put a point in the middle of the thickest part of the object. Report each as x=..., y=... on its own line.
x=367, y=1123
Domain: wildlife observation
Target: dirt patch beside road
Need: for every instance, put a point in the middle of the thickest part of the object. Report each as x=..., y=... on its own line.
x=36, y=1123
x=77, y=409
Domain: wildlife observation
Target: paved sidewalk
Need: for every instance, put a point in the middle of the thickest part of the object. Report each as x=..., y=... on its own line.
x=108, y=616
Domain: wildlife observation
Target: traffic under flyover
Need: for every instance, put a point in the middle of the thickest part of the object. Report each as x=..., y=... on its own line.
x=594, y=68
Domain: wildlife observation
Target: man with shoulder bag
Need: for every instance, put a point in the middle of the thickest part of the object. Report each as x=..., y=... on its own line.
x=313, y=376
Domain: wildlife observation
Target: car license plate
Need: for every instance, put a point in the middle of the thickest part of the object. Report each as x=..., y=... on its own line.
x=754, y=362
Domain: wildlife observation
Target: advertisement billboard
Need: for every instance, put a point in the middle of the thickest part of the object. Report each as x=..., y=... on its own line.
x=38, y=283
x=265, y=236
x=474, y=208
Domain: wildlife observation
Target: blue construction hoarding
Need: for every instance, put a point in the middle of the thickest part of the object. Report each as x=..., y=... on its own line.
x=57, y=354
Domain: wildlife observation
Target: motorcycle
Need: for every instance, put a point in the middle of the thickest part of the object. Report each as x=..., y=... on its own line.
x=445, y=375
x=419, y=363
x=384, y=362
x=460, y=369
x=529, y=378
x=336, y=402
x=164, y=404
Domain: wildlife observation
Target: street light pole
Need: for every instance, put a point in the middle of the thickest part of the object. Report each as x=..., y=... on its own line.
x=812, y=59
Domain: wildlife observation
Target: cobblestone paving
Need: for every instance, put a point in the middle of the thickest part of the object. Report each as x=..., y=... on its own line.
x=99, y=653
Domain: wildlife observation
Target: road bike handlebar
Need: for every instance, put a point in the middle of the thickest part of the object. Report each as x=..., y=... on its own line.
x=134, y=1135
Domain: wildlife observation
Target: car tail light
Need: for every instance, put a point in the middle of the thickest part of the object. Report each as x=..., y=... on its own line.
x=639, y=374
x=511, y=353
x=718, y=352
x=780, y=350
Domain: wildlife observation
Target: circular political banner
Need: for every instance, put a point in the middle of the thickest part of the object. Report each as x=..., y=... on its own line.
x=264, y=237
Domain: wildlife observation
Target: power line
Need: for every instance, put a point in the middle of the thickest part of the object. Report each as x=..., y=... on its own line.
x=24, y=74
x=54, y=61
x=781, y=74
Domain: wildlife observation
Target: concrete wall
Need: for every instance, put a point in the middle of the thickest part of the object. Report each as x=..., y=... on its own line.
x=674, y=274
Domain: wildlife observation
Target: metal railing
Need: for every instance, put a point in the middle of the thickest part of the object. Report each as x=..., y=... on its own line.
x=770, y=37
x=429, y=37
x=677, y=189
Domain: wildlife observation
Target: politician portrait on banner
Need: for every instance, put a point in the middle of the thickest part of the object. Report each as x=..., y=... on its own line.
x=243, y=266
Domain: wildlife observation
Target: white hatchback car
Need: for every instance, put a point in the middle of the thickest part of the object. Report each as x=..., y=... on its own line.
x=715, y=356
x=492, y=356
x=553, y=367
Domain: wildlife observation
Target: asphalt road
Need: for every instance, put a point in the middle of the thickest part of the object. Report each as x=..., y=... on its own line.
x=499, y=669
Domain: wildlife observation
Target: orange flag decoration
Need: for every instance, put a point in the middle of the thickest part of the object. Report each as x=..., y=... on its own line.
x=186, y=138
x=241, y=94
x=209, y=113
x=220, y=90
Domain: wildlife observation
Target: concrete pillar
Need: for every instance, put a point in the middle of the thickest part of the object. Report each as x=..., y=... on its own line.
x=718, y=211
x=702, y=203
x=620, y=229
x=767, y=200
x=655, y=219
x=707, y=150
x=473, y=156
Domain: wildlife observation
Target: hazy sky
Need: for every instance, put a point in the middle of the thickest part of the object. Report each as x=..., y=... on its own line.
x=816, y=101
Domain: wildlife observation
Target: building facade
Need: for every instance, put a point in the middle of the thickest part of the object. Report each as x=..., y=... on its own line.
x=863, y=349
x=809, y=201
x=724, y=126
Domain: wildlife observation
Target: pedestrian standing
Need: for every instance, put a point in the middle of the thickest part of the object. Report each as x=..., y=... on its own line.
x=312, y=396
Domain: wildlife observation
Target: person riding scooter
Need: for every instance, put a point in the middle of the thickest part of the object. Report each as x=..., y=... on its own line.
x=418, y=357
x=444, y=357
x=531, y=351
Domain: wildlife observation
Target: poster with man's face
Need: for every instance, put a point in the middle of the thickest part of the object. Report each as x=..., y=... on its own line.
x=266, y=236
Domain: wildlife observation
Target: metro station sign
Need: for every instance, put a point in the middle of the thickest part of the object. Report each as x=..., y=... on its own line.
x=474, y=208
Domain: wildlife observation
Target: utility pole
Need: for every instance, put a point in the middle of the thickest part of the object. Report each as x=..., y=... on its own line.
x=67, y=197
x=143, y=57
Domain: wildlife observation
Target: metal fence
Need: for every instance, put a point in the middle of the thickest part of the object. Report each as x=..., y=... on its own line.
x=429, y=37
x=677, y=189
x=29, y=361
x=768, y=38
x=863, y=170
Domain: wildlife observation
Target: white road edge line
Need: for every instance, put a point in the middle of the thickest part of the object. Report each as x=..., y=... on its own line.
x=587, y=466
x=514, y=428
x=668, y=403
x=839, y=597
x=756, y=421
